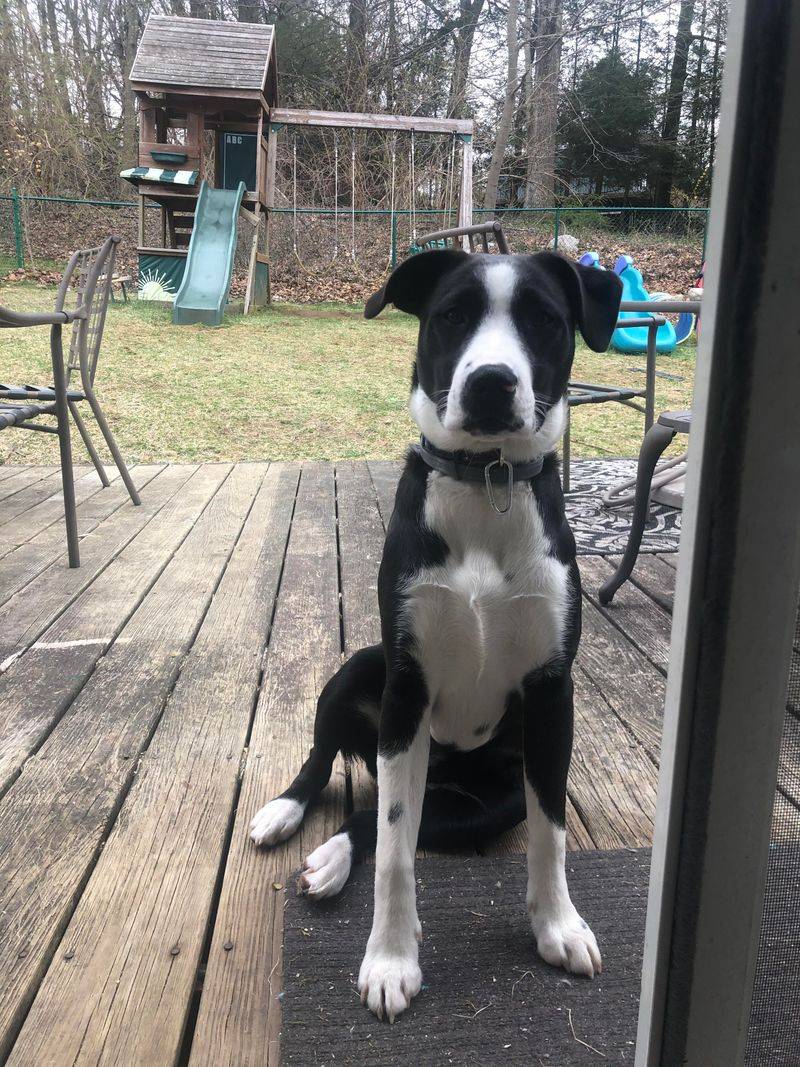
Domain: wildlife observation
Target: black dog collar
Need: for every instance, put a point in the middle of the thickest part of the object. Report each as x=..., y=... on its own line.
x=490, y=468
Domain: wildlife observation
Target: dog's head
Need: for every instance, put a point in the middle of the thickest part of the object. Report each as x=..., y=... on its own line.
x=496, y=343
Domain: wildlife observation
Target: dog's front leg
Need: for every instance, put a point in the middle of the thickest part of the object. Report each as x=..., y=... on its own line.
x=563, y=938
x=390, y=974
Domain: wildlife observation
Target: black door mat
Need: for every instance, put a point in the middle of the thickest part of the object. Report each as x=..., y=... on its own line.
x=487, y=997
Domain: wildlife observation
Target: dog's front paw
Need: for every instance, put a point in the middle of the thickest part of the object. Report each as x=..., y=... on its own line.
x=387, y=982
x=276, y=821
x=566, y=941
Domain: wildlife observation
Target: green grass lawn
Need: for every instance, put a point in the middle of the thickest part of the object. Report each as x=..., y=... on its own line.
x=289, y=382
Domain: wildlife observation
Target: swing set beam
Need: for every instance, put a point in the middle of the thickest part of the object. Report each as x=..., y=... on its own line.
x=366, y=121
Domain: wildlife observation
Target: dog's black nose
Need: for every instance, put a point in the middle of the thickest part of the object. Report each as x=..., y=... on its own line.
x=492, y=381
x=488, y=396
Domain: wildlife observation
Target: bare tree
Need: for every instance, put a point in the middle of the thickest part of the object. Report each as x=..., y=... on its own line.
x=674, y=105
x=469, y=16
x=543, y=104
x=506, y=122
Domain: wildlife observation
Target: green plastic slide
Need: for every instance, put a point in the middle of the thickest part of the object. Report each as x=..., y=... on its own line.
x=209, y=265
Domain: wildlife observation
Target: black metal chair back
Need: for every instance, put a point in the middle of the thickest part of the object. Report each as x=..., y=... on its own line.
x=86, y=282
x=482, y=231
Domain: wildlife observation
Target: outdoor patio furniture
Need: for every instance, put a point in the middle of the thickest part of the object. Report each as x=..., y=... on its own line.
x=16, y=414
x=482, y=230
x=92, y=272
x=656, y=440
x=21, y=406
x=579, y=393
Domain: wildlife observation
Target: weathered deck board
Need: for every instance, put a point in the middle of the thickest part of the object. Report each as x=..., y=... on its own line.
x=8, y=470
x=628, y=680
x=132, y=863
x=643, y=621
x=656, y=577
x=612, y=781
x=58, y=812
x=35, y=495
x=49, y=510
x=21, y=480
x=37, y=689
x=385, y=476
x=24, y=563
x=238, y=1021
x=154, y=885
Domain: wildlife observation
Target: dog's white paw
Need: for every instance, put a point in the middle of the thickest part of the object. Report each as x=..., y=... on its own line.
x=327, y=868
x=566, y=941
x=387, y=981
x=276, y=821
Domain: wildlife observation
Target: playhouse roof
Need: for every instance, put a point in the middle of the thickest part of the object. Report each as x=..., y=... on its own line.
x=206, y=54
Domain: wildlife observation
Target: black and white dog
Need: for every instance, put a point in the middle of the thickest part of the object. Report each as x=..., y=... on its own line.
x=464, y=711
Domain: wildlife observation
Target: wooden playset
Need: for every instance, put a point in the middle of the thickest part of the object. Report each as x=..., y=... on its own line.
x=207, y=94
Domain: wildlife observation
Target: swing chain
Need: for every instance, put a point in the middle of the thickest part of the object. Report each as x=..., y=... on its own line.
x=412, y=193
x=335, y=194
x=353, y=198
x=393, y=171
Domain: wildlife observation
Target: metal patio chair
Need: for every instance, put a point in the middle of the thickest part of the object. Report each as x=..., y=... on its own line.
x=656, y=440
x=483, y=230
x=21, y=405
x=579, y=393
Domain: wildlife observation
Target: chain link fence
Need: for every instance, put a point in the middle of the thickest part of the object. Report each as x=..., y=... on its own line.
x=342, y=254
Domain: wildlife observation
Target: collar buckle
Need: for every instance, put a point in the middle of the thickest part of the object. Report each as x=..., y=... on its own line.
x=487, y=473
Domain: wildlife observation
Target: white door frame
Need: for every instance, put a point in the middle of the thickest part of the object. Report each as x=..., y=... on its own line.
x=739, y=569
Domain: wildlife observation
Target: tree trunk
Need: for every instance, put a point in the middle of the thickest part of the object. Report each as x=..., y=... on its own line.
x=542, y=117
x=698, y=92
x=5, y=67
x=357, y=54
x=674, y=105
x=248, y=11
x=715, y=93
x=469, y=14
x=639, y=36
x=131, y=43
x=507, y=115
x=391, y=58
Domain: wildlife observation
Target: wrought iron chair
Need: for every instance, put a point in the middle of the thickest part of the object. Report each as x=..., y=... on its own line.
x=579, y=393
x=21, y=405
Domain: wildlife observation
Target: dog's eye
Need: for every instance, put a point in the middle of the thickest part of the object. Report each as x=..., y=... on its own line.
x=455, y=316
x=539, y=317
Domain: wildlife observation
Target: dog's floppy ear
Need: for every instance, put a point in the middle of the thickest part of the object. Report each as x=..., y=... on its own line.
x=594, y=296
x=410, y=285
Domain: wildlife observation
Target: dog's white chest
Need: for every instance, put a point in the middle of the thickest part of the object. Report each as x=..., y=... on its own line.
x=491, y=614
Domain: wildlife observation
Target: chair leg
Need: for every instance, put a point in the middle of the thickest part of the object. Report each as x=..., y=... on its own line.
x=89, y=443
x=655, y=442
x=112, y=446
x=565, y=454
x=62, y=416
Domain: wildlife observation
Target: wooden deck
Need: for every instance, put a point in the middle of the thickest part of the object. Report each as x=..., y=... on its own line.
x=153, y=699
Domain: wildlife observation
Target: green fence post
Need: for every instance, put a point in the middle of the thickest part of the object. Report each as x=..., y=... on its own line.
x=555, y=229
x=17, y=226
x=394, y=241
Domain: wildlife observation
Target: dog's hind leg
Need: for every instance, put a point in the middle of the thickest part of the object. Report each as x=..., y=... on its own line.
x=328, y=867
x=346, y=721
x=452, y=818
